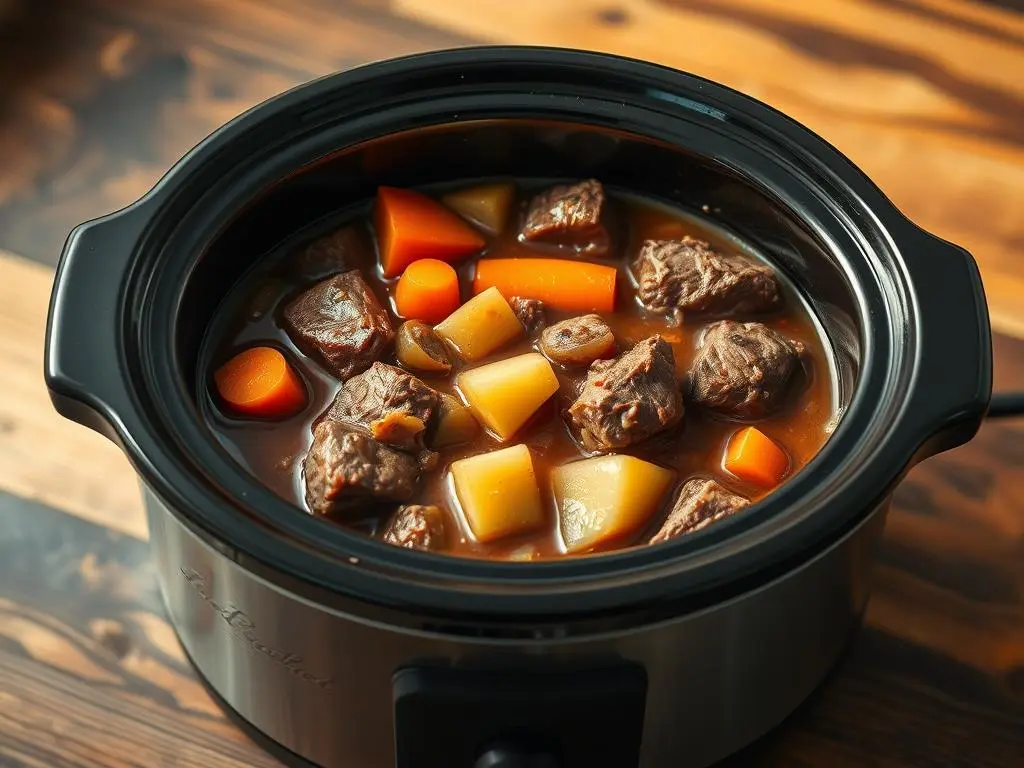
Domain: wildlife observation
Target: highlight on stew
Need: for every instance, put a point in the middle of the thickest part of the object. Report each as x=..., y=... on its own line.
x=518, y=372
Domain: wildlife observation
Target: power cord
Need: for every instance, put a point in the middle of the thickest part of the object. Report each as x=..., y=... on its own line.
x=1006, y=404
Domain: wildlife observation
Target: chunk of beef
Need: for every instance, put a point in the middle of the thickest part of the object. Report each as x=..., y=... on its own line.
x=345, y=469
x=568, y=215
x=743, y=370
x=689, y=275
x=700, y=502
x=393, y=405
x=529, y=311
x=626, y=400
x=342, y=249
x=340, y=321
x=578, y=340
x=416, y=526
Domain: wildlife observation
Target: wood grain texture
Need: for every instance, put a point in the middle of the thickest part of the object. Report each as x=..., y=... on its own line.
x=99, y=97
x=42, y=456
x=90, y=672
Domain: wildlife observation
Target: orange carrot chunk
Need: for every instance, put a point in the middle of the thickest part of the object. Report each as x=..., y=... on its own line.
x=259, y=382
x=756, y=458
x=412, y=226
x=565, y=284
x=428, y=290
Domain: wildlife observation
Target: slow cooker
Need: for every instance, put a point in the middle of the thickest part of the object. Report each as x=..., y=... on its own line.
x=337, y=650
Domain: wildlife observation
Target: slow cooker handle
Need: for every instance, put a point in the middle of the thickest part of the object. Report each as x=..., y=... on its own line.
x=953, y=379
x=82, y=364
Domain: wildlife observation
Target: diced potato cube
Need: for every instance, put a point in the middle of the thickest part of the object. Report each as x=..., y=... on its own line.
x=481, y=325
x=498, y=493
x=606, y=497
x=487, y=205
x=455, y=423
x=505, y=394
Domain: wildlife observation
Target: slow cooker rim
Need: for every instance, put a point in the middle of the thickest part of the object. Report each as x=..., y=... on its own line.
x=835, y=163
x=467, y=566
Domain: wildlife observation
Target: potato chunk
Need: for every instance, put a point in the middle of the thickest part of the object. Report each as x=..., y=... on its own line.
x=481, y=325
x=606, y=498
x=498, y=493
x=487, y=205
x=505, y=394
x=455, y=422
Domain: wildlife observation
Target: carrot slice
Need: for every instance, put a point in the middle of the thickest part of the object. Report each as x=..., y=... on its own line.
x=565, y=284
x=428, y=290
x=259, y=382
x=412, y=226
x=756, y=458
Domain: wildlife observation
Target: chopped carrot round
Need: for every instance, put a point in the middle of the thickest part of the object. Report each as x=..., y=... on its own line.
x=411, y=226
x=260, y=382
x=428, y=290
x=565, y=284
x=756, y=458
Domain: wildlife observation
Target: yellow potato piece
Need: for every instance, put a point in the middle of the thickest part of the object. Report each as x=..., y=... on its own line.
x=503, y=395
x=487, y=205
x=481, y=325
x=498, y=493
x=606, y=497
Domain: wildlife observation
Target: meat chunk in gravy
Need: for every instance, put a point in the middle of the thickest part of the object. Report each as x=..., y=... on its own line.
x=346, y=248
x=529, y=311
x=743, y=370
x=340, y=321
x=345, y=469
x=688, y=275
x=394, y=406
x=578, y=340
x=626, y=400
x=569, y=215
x=416, y=526
x=700, y=502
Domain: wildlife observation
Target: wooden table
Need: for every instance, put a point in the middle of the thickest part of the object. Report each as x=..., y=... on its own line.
x=98, y=97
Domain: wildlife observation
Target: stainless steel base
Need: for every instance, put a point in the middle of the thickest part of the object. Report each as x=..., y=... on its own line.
x=318, y=683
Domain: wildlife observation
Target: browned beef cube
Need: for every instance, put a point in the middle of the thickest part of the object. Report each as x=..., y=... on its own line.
x=569, y=216
x=627, y=400
x=578, y=340
x=700, y=502
x=343, y=249
x=345, y=469
x=529, y=311
x=340, y=321
x=394, y=406
x=689, y=275
x=416, y=526
x=743, y=370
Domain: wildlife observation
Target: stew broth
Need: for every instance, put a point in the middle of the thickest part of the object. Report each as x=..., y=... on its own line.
x=273, y=450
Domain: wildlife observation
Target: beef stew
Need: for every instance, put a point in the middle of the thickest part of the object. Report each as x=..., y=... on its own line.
x=606, y=372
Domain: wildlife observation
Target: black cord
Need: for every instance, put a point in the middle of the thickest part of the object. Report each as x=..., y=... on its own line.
x=1006, y=404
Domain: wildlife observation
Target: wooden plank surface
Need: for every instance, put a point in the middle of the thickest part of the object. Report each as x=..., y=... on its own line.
x=98, y=97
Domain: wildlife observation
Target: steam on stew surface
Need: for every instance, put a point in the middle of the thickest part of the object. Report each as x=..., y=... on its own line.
x=519, y=375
